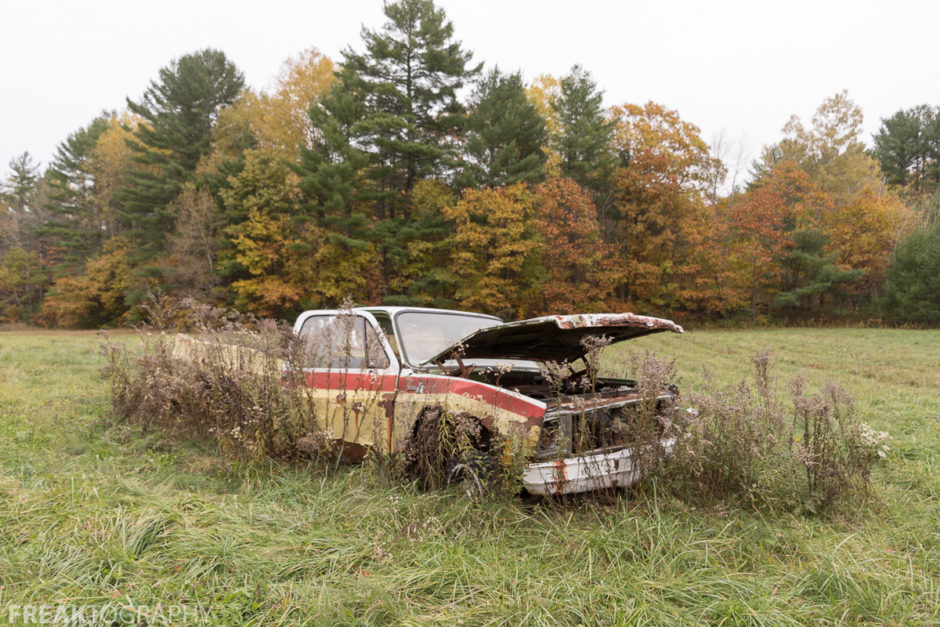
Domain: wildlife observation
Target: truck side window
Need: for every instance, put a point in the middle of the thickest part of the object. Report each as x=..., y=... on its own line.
x=376, y=357
x=341, y=341
x=385, y=322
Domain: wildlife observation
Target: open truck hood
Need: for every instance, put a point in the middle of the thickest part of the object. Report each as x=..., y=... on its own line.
x=552, y=338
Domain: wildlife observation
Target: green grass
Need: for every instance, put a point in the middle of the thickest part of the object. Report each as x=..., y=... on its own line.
x=93, y=514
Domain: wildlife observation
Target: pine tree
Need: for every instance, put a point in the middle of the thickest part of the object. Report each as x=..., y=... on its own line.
x=906, y=144
x=913, y=288
x=24, y=253
x=505, y=134
x=332, y=170
x=810, y=274
x=335, y=197
x=180, y=110
x=584, y=144
x=18, y=193
x=408, y=78
x=392, y=120
x=20, y=185
x=74, y=222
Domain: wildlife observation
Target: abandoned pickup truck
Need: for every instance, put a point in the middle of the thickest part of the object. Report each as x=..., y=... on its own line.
x=377, y=374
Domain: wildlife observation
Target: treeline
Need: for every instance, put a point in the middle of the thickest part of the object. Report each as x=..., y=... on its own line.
x=408, y=174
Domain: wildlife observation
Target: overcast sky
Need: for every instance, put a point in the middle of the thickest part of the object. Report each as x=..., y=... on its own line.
x=741, y=68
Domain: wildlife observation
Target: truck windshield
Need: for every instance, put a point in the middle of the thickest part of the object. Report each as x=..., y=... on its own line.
x=424, y=334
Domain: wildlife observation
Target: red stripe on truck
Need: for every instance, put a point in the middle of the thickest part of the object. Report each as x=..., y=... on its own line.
x=427, y=384
x=488, y=394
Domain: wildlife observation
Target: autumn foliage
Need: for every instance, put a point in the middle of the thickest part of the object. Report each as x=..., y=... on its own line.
x=369, y=178
x=577, y=264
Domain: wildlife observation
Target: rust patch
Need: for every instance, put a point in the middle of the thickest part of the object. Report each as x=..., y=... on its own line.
x=349, y=451
x=532, y=421
x=549, y=337
x=388, y=404
x=561, y=476
x=340, y=399
x=625, y=319
x=357, y=410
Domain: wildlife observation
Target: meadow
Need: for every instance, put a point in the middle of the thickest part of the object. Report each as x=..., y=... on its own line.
x=94, y=513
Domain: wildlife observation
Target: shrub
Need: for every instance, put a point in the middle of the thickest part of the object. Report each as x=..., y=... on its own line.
x=913, y=287
x=225, y=382
x=747, y=446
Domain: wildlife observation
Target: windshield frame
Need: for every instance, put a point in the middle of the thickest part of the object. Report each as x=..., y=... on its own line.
x=403, y=342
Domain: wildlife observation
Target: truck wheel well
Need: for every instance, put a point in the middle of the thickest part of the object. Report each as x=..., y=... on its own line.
x=439, y=439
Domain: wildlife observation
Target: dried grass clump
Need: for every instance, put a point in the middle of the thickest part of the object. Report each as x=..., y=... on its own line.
x=225, y=381
x=746, y=445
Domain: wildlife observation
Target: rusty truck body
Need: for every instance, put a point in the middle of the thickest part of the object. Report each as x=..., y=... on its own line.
x=376, y=372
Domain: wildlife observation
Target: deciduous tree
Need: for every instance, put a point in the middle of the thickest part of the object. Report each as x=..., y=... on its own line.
x=496, y=251
x=665, y=168
x=831, y=151
x=863, y=235
x=270, y=249
x=577, y=275
x=21, y=284
x=97, y=297
x=782, y=202
x=190, y=263
x=278, y=121
x=543, y=92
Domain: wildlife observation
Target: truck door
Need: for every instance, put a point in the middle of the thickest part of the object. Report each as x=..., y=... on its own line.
x=350, y=373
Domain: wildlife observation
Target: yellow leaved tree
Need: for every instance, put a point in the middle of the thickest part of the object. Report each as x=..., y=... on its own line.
x=496, y=253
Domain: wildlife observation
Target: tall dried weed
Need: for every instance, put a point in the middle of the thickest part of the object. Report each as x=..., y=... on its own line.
x=224, y=381
x=748, y=446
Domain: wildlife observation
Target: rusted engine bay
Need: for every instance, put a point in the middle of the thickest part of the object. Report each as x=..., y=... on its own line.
x=587, y=414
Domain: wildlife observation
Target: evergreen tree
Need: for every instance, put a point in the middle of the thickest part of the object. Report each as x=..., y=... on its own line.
x=19, y=193
x=392, y=120
x=810, y=274
x=584, y=143
x=180, y=110
x=907, y=144
x=332, y=170
x=20, y=185
x=23, y=249
x=425, y=275
x=408, y=79
x=336, y=199
x=74, y=222
x=505, y=134
x=913, y=290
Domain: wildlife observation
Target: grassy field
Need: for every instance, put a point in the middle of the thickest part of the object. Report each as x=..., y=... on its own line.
x=95, y=515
